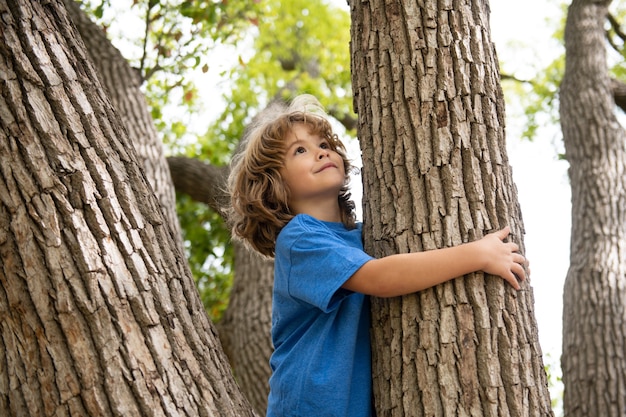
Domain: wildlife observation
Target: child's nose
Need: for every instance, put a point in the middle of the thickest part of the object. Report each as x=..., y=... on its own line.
x=323, y=153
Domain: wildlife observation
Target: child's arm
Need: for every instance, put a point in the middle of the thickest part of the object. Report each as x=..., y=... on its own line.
x=411, y=272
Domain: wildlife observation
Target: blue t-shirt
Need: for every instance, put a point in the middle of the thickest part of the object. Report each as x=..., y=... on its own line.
x=322, y=356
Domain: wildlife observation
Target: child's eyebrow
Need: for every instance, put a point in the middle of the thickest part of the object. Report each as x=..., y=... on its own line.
x=303, y=142
x=295, y=143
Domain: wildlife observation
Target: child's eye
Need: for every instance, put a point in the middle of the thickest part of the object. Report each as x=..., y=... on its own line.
x=300, y=149
x=324, y=145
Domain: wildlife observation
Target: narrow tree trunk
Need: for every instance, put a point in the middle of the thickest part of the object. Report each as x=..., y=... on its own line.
x=436, y=174
x=98, y=311
x=245, y=328
x=594, y=299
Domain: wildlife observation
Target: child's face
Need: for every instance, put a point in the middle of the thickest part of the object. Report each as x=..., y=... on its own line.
x=312, y=171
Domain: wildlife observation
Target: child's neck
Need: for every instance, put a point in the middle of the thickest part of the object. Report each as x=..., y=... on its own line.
x=329, y=212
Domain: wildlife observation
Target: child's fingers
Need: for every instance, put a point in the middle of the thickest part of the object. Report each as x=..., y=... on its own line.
x=512, y=279
x=513, y=246
x=519, y=272
x=503, y=233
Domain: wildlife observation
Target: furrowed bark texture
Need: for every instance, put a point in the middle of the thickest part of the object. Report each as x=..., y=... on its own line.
x=245, y=328
x=99, y=314
x=436, y=174
x=123, y=85
x=594, y=296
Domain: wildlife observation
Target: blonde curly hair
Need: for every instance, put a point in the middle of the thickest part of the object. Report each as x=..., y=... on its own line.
x=259, y=197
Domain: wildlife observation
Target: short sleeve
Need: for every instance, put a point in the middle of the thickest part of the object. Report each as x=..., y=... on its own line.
x=322, y=257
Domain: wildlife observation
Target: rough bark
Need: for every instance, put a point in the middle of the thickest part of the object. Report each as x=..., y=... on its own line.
x=245, y=328
x=436, y=174
x=594, y=299
x=99, y=314
x=123, y=83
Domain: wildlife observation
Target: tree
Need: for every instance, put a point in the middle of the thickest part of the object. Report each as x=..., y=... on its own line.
x=100, y=315
x=123, y=84
x=594, y=299
x=125, y=208
x=435, y=172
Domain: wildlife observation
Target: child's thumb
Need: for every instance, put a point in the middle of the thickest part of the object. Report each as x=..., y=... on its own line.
x=503, y=233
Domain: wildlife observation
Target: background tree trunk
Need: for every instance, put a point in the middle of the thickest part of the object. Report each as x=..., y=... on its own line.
x=594, y=297
x=248, y=344
x=99, y=314
x=436, y=174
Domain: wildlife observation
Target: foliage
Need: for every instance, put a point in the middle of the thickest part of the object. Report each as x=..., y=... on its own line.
x=536, y=96
x=170, y=42
x=210, y=259
x=555, y=383
x=541, y=101
x=283, y=49
x=300, y=46
x=172, y=36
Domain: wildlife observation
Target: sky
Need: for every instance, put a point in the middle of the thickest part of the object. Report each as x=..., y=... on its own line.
x=522, y=35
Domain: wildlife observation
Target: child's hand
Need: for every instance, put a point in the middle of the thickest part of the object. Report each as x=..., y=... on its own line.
x=503, y=258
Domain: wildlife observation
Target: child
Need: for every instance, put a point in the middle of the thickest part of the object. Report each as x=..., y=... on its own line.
x=290, y=201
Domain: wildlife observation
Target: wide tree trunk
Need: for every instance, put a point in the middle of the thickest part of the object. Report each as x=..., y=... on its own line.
x=123, y=83
x=99, y=314
x=245, y=328
x=594, y=298
x=436, y=174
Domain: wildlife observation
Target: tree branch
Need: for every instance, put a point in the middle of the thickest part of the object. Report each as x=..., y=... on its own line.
x=202, y=182
x=619, y=93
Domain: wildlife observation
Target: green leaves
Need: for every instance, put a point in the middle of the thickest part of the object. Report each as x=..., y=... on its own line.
x=210, y=256
x=277, y=49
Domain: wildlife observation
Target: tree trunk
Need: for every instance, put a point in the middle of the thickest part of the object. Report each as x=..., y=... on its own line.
x=594, y=298
x=123, y=83
x=98, y=311
x=436, y=174
x=245, y=328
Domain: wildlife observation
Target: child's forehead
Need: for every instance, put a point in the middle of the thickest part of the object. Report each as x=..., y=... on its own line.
x=303, y=132
x=310, y=126
x=302, y=129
